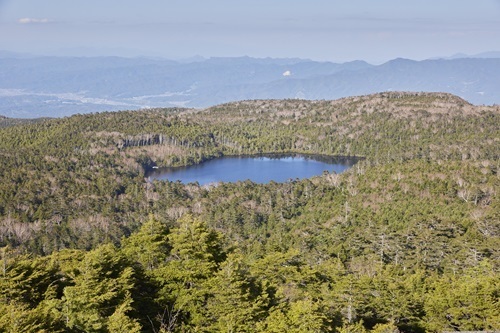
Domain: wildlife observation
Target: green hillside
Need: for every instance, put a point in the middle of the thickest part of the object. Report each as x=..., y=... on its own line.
x=408, y=239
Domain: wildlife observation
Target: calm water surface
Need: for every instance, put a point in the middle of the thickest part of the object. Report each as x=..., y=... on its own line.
x=259, y=169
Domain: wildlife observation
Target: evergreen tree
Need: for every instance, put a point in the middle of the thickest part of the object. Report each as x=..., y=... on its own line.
x=235, y=303
x=101, y=291
x=194, y=259
x=300, y=316
x=148, y=246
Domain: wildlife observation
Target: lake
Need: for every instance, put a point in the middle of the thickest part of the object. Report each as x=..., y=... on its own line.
x=259, y=169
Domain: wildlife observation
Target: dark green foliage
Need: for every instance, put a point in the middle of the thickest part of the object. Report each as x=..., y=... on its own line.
x=408, y=239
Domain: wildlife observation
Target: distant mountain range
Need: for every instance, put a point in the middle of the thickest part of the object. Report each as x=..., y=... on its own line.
x=60, y=86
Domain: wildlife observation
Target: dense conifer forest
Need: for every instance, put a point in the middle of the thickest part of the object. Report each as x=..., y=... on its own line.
x=407, y=240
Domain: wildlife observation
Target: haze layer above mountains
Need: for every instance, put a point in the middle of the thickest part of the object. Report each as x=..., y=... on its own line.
x=60, y=86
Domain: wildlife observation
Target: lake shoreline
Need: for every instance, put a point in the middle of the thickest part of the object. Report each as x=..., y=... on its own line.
x=231, y=168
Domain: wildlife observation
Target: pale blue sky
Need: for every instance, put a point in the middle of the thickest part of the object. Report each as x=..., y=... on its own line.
x=372, y=30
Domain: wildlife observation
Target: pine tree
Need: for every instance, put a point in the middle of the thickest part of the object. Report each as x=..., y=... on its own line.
x=194, y=259
x=235, y=303
x=148, y=246
x=102, y=287
x=301, y=316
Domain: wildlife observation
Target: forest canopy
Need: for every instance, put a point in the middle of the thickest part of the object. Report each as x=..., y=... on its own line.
x=408, y=239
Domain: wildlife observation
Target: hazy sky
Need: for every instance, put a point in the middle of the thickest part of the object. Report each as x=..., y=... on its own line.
x=372, y=30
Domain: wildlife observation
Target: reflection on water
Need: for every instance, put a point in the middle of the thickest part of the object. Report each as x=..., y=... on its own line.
x=257, y=168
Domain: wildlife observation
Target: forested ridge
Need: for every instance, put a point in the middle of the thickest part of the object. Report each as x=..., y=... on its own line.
x=408, y=239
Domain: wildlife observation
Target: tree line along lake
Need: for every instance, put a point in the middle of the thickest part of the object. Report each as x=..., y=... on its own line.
x=257, y=168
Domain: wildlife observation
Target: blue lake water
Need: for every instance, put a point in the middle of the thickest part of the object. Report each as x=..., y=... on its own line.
x=259, y=169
